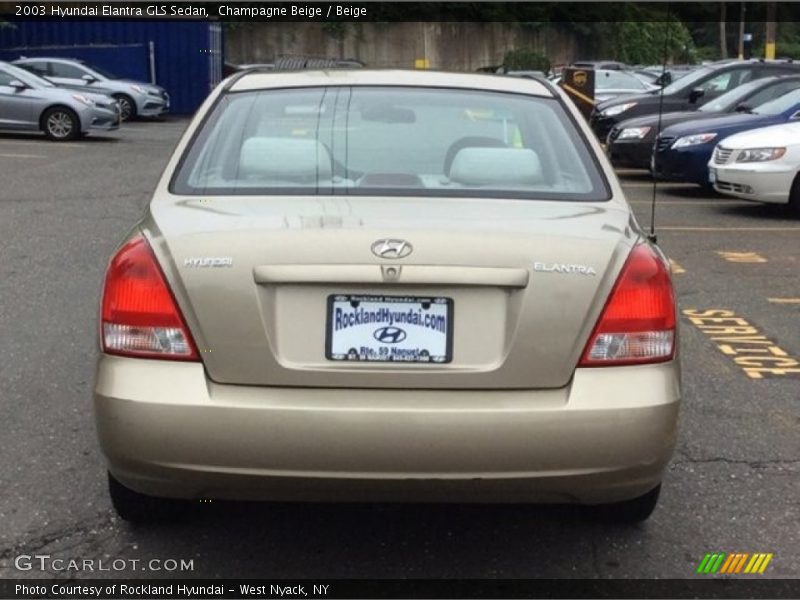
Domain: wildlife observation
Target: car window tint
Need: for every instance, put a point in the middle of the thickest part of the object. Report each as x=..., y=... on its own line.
x=718, y=84
x=6, y=78
x=65, y=70
x=730, y=99
x=779, y=105
x=38, y=68
x=399, y=141
x=772, y=92
x=617, y=80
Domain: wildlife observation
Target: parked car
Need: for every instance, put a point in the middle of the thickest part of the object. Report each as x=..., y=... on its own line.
x=695, y=89
x=30, y=103
x=135, y=98
x=761, y=165
x=338, y=325
x=682, y=151
x=611, y=83
x=611, y=65
x=658, y=75
x=630, y=143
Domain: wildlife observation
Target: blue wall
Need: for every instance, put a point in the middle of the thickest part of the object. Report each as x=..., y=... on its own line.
x=188, y=54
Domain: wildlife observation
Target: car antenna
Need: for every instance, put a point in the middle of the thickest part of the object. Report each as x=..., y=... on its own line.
x=652, y=235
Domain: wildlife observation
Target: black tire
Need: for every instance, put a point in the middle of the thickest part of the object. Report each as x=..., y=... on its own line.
x=794, y=198
x=629, y=511
x=139, y=508
x=127, y=107
x=61, y=124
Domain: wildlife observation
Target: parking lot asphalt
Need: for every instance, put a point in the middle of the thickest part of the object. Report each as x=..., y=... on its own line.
x=733, y=485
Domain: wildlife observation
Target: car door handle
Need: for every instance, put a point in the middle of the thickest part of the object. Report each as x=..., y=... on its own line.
x=393, y=273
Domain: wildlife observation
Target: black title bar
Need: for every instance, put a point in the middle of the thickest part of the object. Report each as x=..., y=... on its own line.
x=522, y=12
x=202, y=589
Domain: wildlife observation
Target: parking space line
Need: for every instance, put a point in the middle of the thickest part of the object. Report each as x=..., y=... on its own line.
x=649, y=184
x=676, y=268
x=742, y=257
x=22, y=156
x=702, y=229
x=784, y=300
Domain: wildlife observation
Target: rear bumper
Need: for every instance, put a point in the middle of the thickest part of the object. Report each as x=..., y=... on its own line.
x=167, y=430
x=767, y=184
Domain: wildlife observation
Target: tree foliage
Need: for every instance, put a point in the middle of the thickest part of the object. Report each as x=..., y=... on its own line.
x=644, y=42
x=525, y=59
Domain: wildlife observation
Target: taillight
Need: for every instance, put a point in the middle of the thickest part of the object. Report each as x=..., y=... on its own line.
x=139, y=315
x=637, y=324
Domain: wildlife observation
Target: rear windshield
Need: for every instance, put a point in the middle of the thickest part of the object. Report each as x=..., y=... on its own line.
x=390, y=140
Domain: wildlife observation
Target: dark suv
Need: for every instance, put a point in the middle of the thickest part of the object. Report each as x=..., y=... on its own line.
x=687, y=93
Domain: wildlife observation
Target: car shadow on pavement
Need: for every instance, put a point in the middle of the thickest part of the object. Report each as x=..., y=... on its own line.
x=754, y=210
x=35, y=137
x=241, y=539
x=690, y=192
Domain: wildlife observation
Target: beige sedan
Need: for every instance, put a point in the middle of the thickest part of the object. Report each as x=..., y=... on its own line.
x=387, y=286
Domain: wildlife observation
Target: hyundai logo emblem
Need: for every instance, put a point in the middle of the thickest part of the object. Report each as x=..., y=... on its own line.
x=389, y=335
x=391, y=248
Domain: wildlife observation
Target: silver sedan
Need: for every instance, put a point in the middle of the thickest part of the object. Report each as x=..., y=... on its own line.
x=135, y=98
x=31, y=103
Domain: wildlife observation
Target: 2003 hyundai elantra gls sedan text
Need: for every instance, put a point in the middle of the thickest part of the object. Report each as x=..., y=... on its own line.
x=387, y=286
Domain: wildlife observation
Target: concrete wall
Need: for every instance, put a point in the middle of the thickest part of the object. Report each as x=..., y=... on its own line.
x=452, y=46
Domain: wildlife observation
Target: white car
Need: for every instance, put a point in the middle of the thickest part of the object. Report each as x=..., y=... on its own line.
x=761, y=165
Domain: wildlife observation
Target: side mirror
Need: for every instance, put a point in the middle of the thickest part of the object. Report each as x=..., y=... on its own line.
x=695, y=94
x=743, y=108
x=17, y=85
x=88, y=79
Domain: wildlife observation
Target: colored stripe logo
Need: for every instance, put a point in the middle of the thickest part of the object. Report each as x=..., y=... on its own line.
x=734, y=563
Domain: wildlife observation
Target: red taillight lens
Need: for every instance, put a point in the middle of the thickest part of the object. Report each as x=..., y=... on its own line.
x=637, y=324
x=139, y=314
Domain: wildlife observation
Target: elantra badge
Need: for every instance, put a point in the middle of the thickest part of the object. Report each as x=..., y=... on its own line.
x=564, y=268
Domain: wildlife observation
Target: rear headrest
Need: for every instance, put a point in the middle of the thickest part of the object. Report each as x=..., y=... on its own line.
x=491, y=166
x=285, y=159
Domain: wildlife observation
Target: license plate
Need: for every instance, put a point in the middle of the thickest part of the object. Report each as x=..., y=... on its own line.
x=712, y=175
x=389, y=329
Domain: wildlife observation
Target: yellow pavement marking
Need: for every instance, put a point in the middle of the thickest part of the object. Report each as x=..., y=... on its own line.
x=686, y=228
x=22, y=156
x=754, y=353
x=784, y=300
x=742, y=257
x=650, y=185
x=8, y=144
x=676, y=268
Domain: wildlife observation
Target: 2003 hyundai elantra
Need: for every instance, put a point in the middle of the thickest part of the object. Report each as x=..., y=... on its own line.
x=387, y=285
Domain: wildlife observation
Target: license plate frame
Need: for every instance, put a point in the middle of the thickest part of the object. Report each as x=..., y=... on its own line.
x=370, y=349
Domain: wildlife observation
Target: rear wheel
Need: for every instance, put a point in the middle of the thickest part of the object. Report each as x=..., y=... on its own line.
x=61, y=124
x=629, y=511
x=794, y=197
x=134, y=507
x=127, y=107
